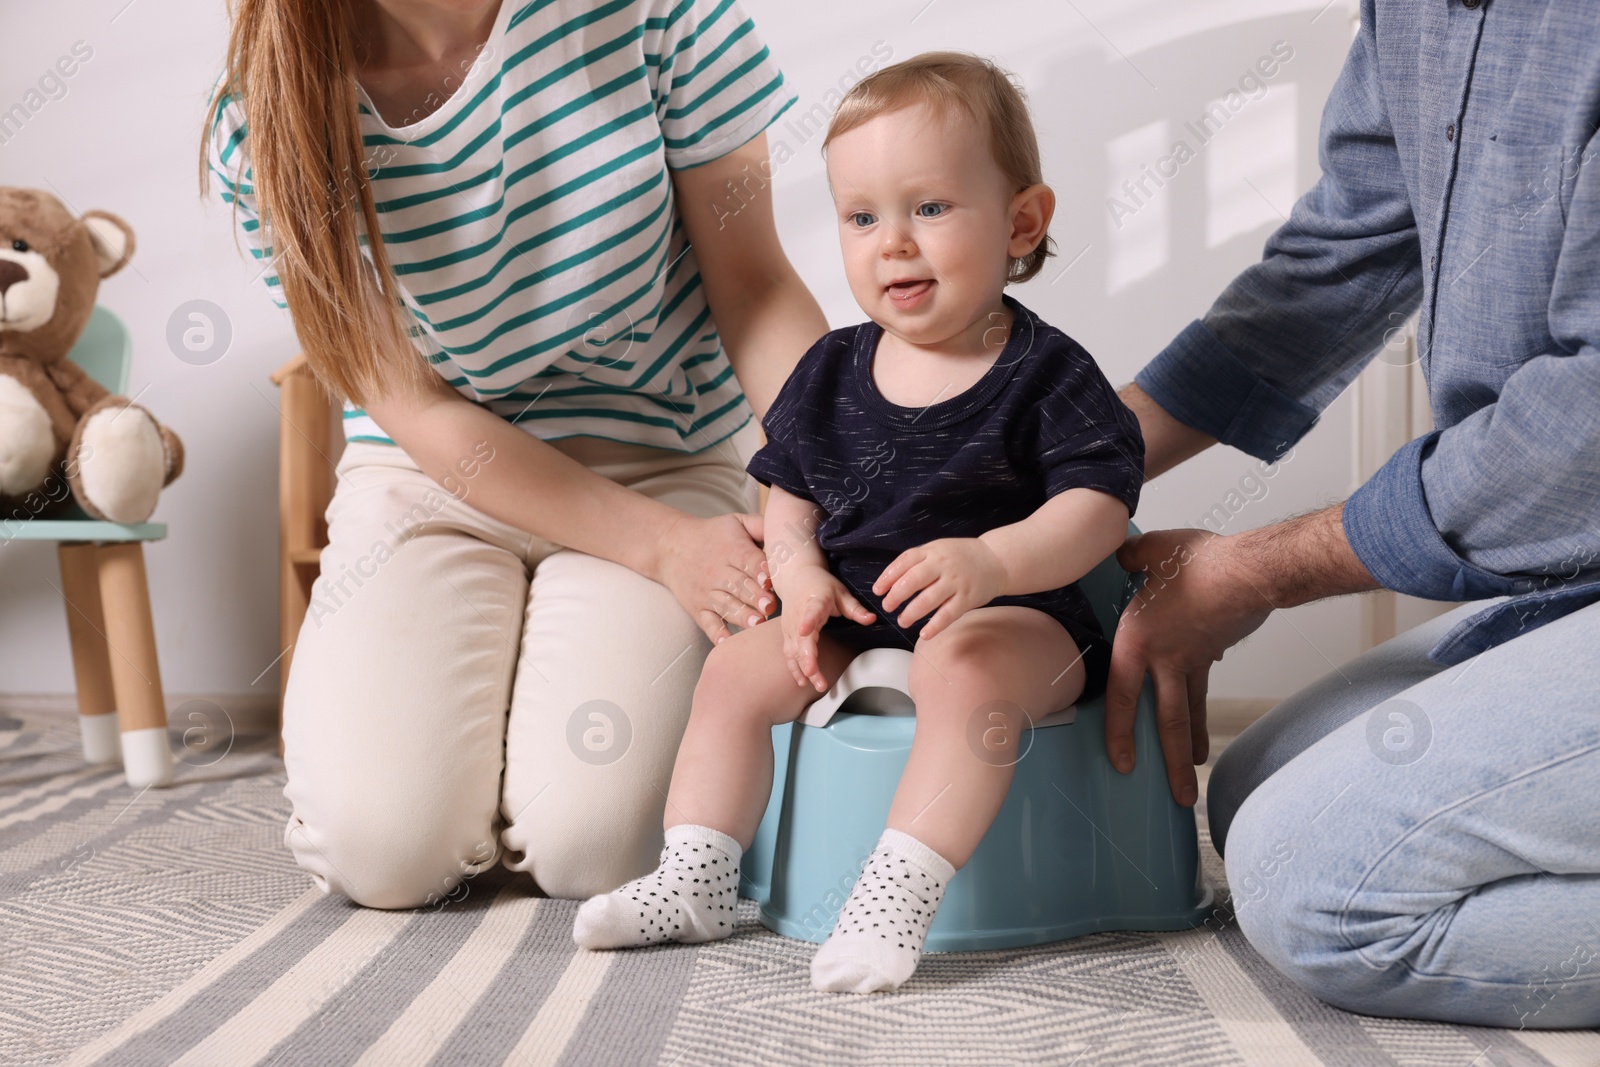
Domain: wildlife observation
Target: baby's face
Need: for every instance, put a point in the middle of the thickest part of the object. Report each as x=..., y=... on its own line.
x=924, y=223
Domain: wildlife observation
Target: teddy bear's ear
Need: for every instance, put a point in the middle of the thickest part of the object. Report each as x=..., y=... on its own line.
x=112, y=240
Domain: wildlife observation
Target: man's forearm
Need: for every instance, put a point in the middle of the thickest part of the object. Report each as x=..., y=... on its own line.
x=1299, y=560
x=1167, y=442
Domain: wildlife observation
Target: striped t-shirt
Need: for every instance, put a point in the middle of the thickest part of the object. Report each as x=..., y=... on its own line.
x=531, y=220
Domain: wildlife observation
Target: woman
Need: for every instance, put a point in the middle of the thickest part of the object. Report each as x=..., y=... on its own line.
x=540, y=522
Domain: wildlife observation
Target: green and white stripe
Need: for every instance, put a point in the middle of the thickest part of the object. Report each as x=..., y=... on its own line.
x=531, y=219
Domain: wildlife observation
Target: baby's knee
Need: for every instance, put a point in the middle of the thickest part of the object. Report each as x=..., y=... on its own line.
x=719, y=673
x=958, y=644
x=954, y=673
x=724, y=689
x=975, y=649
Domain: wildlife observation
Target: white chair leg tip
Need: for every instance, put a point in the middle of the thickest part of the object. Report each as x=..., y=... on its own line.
x=102, y=740
x=146, y=757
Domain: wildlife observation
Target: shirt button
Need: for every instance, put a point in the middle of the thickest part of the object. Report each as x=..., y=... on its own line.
x=1431, y=260
x=1470, y=5
x=1450, y=132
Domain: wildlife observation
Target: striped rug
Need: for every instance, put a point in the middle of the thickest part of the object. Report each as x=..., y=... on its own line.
x=170, y=926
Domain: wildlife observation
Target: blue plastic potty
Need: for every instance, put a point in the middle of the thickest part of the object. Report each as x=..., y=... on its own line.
x=1077, y=848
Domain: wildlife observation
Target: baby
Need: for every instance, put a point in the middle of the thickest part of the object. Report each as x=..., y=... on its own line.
x=939, y=478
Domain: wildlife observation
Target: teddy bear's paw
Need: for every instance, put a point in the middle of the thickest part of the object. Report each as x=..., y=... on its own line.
x=121, y=463
x=27, y=445
x=174, y=454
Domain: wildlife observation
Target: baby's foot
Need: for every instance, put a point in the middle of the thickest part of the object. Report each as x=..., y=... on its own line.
x=878, y=939
x=689, y=898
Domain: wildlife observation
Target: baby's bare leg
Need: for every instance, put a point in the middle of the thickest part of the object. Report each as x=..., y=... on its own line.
x=976, y=685
x=723, y=775
x=973, y=684
x=720, y=785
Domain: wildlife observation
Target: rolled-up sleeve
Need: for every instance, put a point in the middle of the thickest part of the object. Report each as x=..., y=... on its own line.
x=1511, y=491
x=1286, y=337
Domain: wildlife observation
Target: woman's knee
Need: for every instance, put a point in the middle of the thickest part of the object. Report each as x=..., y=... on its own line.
x=390, y=857
x=575, y=858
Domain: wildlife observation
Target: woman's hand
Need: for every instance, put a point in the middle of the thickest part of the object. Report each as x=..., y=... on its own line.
x=810, y=595
x=948, y=577
x=717, y=570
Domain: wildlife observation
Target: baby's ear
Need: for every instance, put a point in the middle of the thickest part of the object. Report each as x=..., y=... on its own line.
x=1031, y=212
x=111, y=238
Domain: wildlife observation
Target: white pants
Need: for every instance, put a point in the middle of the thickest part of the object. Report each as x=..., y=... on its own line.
x=463, y=692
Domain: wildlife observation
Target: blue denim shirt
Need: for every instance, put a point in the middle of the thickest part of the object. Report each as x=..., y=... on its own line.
x=1459, y=177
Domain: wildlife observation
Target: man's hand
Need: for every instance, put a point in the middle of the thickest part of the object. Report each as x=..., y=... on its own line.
x=948, y=577
x=1196, y=603
x=811, y=594
x=1204, y=593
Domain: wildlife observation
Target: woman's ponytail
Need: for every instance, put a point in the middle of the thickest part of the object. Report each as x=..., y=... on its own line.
x=291, y=64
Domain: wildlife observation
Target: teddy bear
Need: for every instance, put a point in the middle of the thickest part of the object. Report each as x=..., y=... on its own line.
x=59, y=428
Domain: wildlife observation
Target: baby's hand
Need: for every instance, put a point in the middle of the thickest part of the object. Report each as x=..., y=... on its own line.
x=954, y=574
x=810, y=595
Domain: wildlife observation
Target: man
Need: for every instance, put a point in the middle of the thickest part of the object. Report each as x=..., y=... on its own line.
x=1420, y=831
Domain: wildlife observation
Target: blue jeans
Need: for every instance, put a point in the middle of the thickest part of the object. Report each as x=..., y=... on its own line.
x=1404, y=839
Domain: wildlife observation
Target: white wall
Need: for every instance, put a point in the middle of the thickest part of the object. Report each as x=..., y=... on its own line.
x=1112, y=83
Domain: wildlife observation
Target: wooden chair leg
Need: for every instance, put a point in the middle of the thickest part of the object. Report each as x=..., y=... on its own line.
x=135, y=671
x=91, y=664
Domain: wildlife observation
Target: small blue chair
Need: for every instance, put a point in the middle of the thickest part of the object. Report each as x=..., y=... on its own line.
x=1077, y=847
x=122, y=711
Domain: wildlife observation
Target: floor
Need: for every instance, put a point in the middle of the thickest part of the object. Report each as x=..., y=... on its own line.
x=171, y=926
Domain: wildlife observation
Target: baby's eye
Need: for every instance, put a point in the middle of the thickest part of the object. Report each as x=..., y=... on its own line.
x=931, y=211
x=862, y=218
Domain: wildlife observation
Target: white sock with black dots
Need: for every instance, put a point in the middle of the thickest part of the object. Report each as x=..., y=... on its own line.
x=690, y=898
x=878, y=939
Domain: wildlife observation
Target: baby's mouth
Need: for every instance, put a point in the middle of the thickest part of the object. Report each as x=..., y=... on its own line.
x=909, y=291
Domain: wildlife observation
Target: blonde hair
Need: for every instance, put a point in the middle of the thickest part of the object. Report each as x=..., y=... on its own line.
x=291, y=64
x=965, y=83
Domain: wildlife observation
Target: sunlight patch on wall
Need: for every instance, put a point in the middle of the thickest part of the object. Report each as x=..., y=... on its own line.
x=1138, y=238
x=1250, y=163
